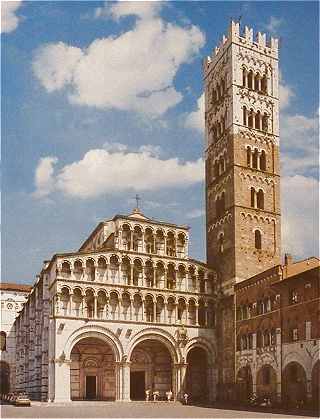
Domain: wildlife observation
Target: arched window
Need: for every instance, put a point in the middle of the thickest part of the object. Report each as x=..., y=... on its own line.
x=265, y=122
x=255, y=159
x=266, y=338
x=263, y=160
x=257, y=120
x=250, y=119
x=244, y=77
x=259, y=339
x=223, y=203
x=250, y=79
x=248, y=156
x=264, y=84
x=253, y=194
x=3, y=341
x=244, y=113
x=221, y=242
x=260, y=199
x=216, y=169
x=257, y=239
x=218, y=207
x=257, y=82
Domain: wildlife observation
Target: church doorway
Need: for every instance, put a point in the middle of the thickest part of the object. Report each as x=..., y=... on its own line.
x=137, y=385
x=197, y=370
x=92, y=370
x=4, y=378
x=244, y=384
x=91, y=387
x=150, y=369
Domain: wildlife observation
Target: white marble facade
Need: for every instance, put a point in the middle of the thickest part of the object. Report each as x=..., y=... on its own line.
x=129, y=305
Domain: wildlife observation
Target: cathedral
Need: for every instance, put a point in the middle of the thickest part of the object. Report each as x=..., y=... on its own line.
x=131, y=316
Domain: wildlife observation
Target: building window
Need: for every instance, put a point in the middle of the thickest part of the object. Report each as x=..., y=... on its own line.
x=260, y=199
x=221, y=243
x=244, y=110
x=294, y=334
x=248, y=156
x=263, y=160
x=257, y=239
x=294, y=297
x=253, y=194
x=250, y=79
x=255, y=159
x=3, y=341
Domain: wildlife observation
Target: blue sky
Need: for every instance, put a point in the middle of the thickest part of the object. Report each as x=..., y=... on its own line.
x=98, y=97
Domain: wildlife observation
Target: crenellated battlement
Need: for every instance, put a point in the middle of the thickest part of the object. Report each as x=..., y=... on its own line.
x=246, y=38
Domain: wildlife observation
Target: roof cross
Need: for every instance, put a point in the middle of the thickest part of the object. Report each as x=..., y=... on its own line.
x=137, y=198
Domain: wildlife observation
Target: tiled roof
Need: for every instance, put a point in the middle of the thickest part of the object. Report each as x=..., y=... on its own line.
x=15, y=287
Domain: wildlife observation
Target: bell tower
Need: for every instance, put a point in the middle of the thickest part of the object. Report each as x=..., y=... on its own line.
x=242, y=156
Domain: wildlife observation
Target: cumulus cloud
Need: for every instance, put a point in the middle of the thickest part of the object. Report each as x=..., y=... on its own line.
x=195, y=119
x=44, y=181
x=9, y=18
x=103, y=172
x=111, y=73
x=286, y=93
x=300, y=220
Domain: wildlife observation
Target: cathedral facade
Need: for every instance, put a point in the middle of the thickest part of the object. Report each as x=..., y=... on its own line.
x=131, y=316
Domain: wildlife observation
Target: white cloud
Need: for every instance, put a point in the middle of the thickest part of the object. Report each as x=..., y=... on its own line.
x=286, y=93
x=196, y=213
x=141, y=9
x=111, y=73
x=102, y=172
x=44, y=181
x=195, y=120
x=274, y=24
x=9, y=19
x=300, y=220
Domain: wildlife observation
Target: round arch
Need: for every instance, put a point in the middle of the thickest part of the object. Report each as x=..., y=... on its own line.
x=94, y=332
x=267, y=382
x=244, y=383
x=158, y=335
x=294, y=384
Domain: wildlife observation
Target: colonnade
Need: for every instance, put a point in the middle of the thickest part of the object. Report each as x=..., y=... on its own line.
x=255, y=120
x=137, y=272
x=254, y=81
x=148, y=240
x=102, y=305
x=256, y=159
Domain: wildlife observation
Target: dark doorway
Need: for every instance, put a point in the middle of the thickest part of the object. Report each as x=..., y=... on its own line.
x=137, y=385
x=4, y=377
x=91, y=387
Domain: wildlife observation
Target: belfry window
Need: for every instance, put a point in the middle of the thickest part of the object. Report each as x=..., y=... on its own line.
x=250, y=119
x=253, y=195
x=244, y=110
x=250, y=79
x=257, y=239
x=265, y=122
x=248, y=156
x=263, y=160
x=260, y=199
x=264, y=84
x=255, y=159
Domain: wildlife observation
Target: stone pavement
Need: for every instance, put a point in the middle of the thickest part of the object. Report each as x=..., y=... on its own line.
x=131, y=410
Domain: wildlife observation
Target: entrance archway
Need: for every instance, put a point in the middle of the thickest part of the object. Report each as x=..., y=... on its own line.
x=315, y=380
x=150, y=369
x=267, y=382
x=244, y=383
x=4, y=378
x=197, y=370
x=92, y=370
x=294, y=388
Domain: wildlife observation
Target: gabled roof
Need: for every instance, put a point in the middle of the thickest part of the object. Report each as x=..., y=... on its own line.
x=6, y=286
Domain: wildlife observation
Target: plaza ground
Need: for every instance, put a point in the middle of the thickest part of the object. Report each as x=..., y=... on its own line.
x=134, y=410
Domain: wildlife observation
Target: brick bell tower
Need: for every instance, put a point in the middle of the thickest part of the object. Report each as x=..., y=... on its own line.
x=242, y=173
x=242, y=156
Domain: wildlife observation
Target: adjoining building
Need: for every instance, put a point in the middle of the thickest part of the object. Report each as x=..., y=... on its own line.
x=277, y=334
x=12, y=298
